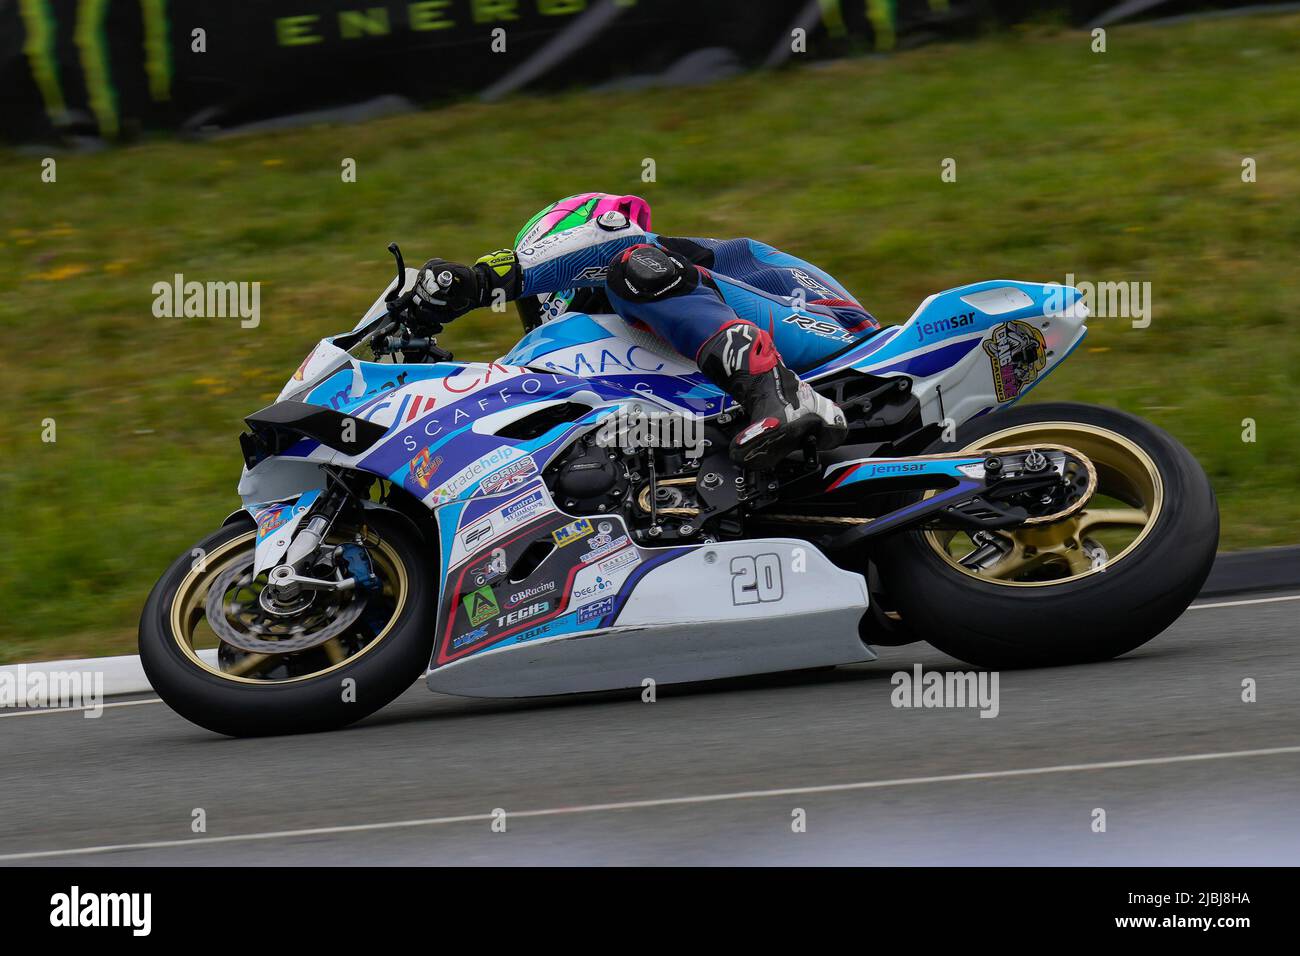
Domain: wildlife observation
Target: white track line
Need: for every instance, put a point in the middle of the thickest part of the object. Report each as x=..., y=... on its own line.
x=1268, y=600
x=661, y=802
x=155, y=700
x=76, y=710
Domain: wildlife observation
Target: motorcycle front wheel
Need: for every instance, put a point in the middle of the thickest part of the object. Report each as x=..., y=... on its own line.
x=211, y=643
x=1089, y=587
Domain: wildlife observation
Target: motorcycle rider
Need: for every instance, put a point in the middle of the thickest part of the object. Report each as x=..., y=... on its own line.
x=748, y=314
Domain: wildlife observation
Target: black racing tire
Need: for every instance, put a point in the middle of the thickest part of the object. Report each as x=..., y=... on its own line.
x=1092, y=617
x=306, y=704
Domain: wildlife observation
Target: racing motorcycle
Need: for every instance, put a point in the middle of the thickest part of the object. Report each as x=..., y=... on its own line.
x=405, y=513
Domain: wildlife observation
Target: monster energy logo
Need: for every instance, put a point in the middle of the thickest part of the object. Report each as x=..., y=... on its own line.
x=883, y=15
x=88, y=32
x=89, y=36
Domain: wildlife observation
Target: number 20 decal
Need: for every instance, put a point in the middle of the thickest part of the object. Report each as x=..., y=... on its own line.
x=756, y=579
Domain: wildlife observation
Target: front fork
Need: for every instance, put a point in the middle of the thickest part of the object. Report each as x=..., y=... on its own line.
x=277, y=524
x=290, y=534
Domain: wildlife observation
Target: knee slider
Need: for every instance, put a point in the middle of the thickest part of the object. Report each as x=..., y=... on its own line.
x=646, y=273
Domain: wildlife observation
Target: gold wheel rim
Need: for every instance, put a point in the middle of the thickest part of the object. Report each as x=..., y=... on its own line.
x=1124, y=472
x=187, y=609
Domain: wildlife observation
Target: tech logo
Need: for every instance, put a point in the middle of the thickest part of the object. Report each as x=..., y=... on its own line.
x=523, y=614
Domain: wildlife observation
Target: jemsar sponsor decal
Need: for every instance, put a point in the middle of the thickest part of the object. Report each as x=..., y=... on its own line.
x=602, y=544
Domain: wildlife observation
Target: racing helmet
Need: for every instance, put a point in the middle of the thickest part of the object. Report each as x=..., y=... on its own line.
x=561, y=216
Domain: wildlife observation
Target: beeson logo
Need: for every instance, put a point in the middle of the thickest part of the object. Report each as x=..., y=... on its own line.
x=481, y=605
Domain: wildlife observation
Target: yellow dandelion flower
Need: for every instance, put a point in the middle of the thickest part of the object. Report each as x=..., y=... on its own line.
x=59, y=273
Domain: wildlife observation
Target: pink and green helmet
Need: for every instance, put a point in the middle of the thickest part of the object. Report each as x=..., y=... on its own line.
x=574, y=211
x=569, y=213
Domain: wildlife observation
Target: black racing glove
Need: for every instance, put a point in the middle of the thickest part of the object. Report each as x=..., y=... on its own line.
x=444, y=290
x=447, y=290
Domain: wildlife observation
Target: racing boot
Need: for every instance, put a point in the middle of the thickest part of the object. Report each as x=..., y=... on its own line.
x=742, y=360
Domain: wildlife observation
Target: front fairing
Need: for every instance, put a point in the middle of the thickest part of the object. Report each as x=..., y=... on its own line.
x=455, y=430
x=449, y=424
x=344, y=350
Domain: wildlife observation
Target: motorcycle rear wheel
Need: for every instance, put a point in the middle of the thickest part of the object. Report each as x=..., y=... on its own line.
x=1090, y=587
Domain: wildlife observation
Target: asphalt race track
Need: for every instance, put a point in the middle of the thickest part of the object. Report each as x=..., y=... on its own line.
x=430, y=770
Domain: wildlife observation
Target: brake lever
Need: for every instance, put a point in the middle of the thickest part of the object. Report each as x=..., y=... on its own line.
x=396, y=290
x=398, y=306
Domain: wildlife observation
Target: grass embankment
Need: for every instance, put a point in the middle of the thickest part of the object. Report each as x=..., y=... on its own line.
x=1123, y=166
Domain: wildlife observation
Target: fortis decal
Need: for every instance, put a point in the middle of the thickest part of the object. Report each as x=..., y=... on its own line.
x=512, y=474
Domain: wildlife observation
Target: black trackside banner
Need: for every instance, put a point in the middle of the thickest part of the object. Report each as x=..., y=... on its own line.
x=111, y=68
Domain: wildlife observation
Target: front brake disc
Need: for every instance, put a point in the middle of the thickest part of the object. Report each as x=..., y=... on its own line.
x=291, y=634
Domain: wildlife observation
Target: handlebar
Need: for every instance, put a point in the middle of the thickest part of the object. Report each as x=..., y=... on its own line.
x=402, y=340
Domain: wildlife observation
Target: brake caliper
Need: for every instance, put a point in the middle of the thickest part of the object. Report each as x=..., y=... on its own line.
x=354, y=561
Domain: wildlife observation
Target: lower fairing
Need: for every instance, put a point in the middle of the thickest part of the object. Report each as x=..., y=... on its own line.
x=711, y=611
